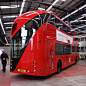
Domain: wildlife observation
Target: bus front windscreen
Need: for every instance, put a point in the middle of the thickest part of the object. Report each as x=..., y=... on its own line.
x=22, y=38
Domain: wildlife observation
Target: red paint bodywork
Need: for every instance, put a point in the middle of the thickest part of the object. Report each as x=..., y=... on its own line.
x=41, y=48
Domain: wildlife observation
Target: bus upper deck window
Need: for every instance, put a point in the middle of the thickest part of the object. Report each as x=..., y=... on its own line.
x=46, y=17
x=14, y=27
x=52, y=20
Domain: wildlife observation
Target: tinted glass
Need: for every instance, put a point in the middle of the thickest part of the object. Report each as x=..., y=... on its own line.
x=52, y=20
x=82, y=39
x=61, y=49
x=14, y=27
x=23, y=36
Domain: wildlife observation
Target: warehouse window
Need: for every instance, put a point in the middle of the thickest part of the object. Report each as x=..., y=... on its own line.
x=78, y=49
x=85, y=38
x=82, y=49
x=82, y=39
x=79, y=39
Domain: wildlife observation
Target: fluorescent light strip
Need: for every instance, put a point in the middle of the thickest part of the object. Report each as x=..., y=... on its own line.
x=3, y=29
x=74, y=12
x=41, y=8
x=82, y=20
x=6, y=39
x=10, y=16
x=73, y=21
x=76, y=20
x=80, y=17
x=8, y=27
x=8, y=23
x=63, y=0
x=52, y=5
x=2, y=26
x=79, y=27
x=82, y=26
x=74, y=29
x=10, y=6
x=21, y=10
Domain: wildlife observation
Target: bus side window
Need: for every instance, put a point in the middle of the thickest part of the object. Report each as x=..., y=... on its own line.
x=42, y=18
x=46, y=17
x=67, y=49
x=38, y=20
x=73, y=49
x=52, y=20
x=63, y=27
x=59, y=49
x=58, y=23
x=56, y=48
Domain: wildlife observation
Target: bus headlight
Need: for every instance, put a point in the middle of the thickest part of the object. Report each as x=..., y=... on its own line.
x=34, y=70
x=28, y=71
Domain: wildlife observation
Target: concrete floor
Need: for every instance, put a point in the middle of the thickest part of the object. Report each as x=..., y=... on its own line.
x=74, y=75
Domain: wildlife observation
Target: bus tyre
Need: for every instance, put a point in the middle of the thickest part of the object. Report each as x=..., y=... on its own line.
x=75, y=60
x=58, y=67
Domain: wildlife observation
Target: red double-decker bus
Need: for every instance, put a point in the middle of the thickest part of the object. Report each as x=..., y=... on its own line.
x=42, y=44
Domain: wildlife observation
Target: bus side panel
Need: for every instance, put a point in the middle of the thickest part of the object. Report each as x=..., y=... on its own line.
x=50, y=36
x=38, y=53
x=37, y=56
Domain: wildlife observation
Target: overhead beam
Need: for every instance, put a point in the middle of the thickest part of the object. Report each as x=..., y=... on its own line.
x=48, y=4
x=52, y=5
x=74, y=12
x=2, y=26
x=74, y=6
x=22, y=6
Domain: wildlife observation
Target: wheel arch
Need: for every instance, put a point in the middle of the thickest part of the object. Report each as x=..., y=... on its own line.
x=59, y=60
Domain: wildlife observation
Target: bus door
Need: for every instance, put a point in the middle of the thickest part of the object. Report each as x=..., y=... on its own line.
x=51, y=57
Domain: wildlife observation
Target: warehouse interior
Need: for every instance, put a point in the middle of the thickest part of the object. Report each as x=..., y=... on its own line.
x=72, y=12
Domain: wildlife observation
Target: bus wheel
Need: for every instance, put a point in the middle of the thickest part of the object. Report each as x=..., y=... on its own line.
x=75, y=60
x=58, y=67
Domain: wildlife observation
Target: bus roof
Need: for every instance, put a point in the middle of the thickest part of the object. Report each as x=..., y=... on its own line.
x=24, y=18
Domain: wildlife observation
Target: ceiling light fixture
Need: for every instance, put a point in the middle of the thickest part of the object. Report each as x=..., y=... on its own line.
x=6, y=39
x=52, y=5
x=8, y=27
x=82, y=20
x=76, y=20
x=22, y=6
x=82, y=26
x=63, y=0
x=2, y=26
x=10, y=16
x=74, y=12
x=8, y=23
x=41, y=8
x=79, y=27
x=10, y=6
